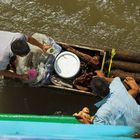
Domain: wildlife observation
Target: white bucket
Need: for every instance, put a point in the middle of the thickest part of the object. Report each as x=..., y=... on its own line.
x=67, y=64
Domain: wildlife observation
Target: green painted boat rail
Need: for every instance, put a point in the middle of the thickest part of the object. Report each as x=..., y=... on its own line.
x=39, y=118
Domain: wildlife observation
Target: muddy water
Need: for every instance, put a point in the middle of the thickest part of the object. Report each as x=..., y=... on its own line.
x=103, y=23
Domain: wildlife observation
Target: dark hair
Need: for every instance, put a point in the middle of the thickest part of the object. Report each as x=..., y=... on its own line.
x=20, y=47
x=99, y=86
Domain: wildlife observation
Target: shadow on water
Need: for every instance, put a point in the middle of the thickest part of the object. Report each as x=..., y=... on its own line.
x=29, y=100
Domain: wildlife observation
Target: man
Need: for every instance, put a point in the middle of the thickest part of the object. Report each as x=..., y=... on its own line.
x=118, y=106
x=13, y=44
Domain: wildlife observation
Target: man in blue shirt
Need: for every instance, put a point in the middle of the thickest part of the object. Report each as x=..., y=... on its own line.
x=118, y=106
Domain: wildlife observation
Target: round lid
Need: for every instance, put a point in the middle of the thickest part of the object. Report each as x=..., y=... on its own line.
x=67, y=64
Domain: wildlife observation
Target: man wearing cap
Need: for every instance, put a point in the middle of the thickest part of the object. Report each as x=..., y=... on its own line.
x=13, y=44
x=117, y=105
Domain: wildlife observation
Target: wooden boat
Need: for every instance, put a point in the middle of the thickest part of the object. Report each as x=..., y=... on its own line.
x=52, y=127
x=112, y=62
x=60, y=100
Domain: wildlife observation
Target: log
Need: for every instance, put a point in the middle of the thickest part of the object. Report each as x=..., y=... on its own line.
x=126, y=66
x=93, y=60
x=123, y=74
x=127, y=56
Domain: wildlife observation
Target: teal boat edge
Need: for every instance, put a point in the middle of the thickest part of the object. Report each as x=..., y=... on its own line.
x=63, y=131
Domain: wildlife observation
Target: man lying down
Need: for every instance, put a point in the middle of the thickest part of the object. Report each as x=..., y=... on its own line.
x=37, y=64
x=117, y=105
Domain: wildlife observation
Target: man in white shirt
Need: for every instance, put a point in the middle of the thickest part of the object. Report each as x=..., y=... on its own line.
x=13, y=44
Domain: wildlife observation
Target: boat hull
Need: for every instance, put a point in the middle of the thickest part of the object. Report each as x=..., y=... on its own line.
x=59, y=131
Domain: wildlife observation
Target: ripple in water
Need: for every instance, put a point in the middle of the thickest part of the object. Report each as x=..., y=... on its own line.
x=5, y=1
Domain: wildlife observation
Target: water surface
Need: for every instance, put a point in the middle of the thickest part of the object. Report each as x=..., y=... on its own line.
x=98, y=23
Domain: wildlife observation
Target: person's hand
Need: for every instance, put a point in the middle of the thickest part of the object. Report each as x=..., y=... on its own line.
x=100, y=73
x=130, y=81
x=24, y=77
x=46, y=47
x=84, y=116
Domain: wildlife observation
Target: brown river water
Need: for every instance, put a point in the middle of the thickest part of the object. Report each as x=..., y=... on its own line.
x=97, y=23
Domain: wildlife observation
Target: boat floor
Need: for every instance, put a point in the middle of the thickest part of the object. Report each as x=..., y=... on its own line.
x=28, y=100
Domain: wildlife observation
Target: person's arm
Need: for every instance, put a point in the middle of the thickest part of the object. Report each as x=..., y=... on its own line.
x=101, y=74
x=109, y=112
x=134, y=88
x=33, y=41
x=10, y=74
